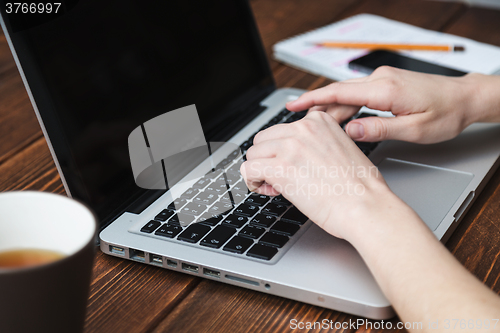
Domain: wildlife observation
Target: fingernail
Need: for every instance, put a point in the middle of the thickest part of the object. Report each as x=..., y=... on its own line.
x=355, y=131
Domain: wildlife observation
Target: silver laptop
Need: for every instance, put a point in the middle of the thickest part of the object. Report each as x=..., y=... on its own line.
x=94, y=76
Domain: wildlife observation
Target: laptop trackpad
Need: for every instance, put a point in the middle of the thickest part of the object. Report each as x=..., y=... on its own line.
x=429, y=190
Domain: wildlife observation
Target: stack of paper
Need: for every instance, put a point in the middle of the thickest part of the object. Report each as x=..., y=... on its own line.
x=301, y=52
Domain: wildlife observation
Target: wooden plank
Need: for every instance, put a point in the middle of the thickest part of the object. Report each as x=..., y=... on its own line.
x=432, y=15
x=18, y=124
x=217, y=307
x=480, y=24
x=131, y=297
x=475, y=242
x=280, y=19
x=31, y=169
x=6, y=60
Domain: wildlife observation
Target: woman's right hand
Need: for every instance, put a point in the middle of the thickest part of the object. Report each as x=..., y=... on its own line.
x=427, y=108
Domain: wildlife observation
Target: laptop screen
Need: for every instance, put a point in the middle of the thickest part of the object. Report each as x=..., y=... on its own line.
x=99, y=69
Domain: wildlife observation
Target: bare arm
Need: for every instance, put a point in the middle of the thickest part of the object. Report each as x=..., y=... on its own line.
x=415, y=271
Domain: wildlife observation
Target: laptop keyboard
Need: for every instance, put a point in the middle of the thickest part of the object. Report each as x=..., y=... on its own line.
x=228, y=216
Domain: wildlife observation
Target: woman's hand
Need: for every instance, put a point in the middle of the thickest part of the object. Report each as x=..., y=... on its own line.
x=316, y=166
x=427, y=108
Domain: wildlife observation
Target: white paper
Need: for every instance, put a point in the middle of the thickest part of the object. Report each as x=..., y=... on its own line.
x=301, y=52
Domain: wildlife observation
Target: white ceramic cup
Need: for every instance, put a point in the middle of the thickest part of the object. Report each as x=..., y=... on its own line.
x=51, y=297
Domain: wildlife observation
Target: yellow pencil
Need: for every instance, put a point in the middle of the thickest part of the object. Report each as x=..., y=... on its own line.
x=390, y=46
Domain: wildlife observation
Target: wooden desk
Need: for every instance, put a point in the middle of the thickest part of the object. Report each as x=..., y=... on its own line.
x=131, y=297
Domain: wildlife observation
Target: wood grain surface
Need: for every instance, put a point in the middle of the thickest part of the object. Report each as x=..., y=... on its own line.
x=130, y=297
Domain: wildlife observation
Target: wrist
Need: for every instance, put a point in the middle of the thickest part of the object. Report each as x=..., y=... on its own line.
x=483, y=94
x=372, y=214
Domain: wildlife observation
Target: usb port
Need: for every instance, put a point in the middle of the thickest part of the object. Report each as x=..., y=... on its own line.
x=117, y=250
x=211, y=272
x=156, y=259
x=190, y=268
x=171, y=263
x=137, y=255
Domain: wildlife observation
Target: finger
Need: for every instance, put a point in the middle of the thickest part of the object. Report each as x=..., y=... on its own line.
x=259, y=172
x=274, y=132
x=252, y=179
x=318, y=108
x=267, y=189
x=264, y=149
x=367, y=93
x=404, y=127
x=342, y=112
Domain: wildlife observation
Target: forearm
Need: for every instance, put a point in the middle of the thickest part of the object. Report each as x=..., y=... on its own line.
x=484, y=93
x=421, y=279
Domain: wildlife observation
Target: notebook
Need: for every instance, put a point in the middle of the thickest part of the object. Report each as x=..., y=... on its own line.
x=300, y=51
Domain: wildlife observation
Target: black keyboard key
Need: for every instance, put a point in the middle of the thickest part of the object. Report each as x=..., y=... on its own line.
x=181, y=219
x=294, y=215
x=280, y=199
x=194, y=208
x=273, y=239
x=284, y=113
x=238, y=197
x=194, y=233
x=235, y=170
x=221, y=207
x=263, y=220
x=234, y=155
x=232, y=178
x=365, y=115
x=150, y=226
x=235, y=221
x=344, y=124
x=164, y=215
x=257, y=199
x=217, y=237
x=296, y=116
x=262, y=252
x=177, y=204
x=240, y=187
x=202, y=182
x=366, y=146
x=190, y=192
x=285, y=228
x=226, y=198
x=206, y=198
x=275, y=120
x=213, y=174
x=168, y=230
x=245, y=145
x=217, y=187
x=252, y=232
x=210, y=219
x=266, y=126
x=238, y=245
x=252, y=137
x=274, y=209
x=223, y=164
x=246, y=210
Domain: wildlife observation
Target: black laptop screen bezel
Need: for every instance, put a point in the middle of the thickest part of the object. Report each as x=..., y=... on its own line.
x=244, y=107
